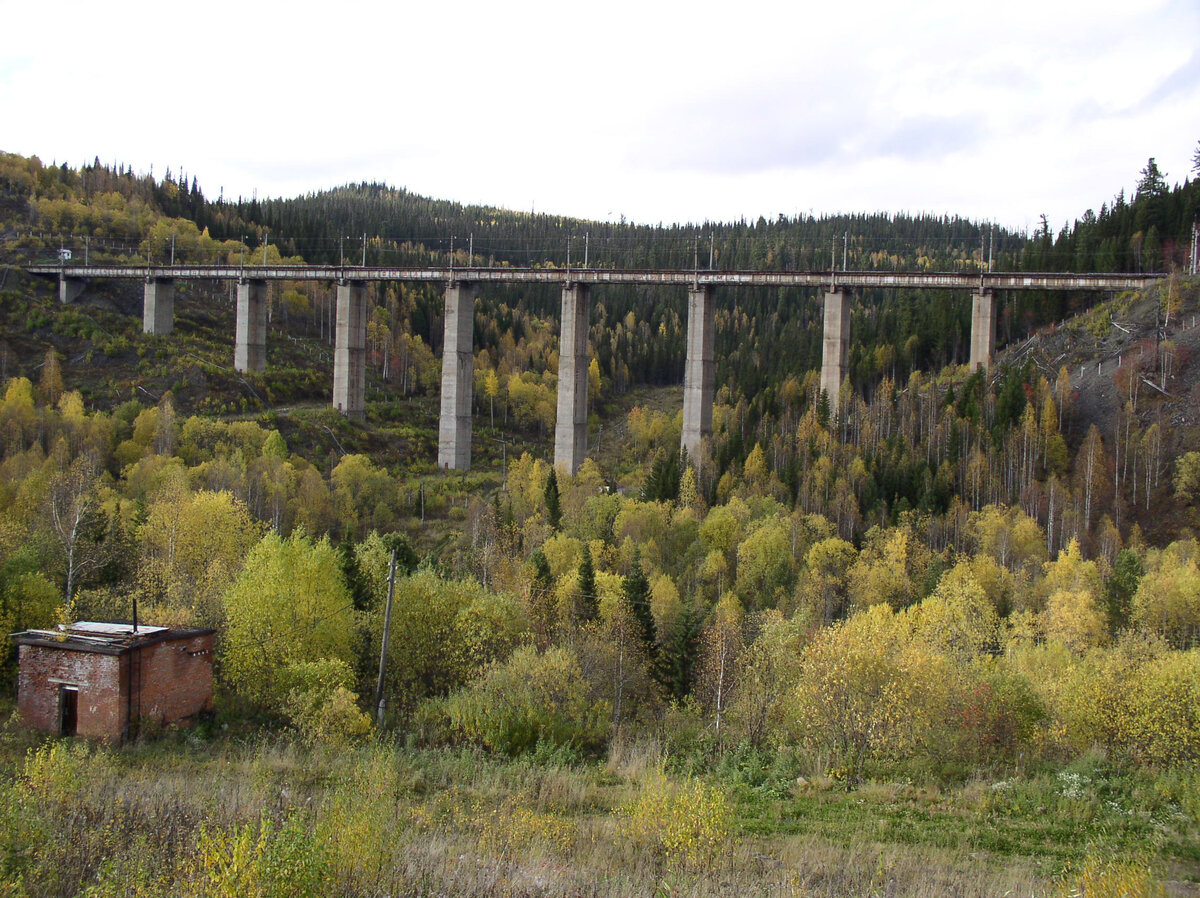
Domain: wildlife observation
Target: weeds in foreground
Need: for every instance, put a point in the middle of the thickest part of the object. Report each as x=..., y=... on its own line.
x=685, y=822
x=1104, y=876
x=251, y=818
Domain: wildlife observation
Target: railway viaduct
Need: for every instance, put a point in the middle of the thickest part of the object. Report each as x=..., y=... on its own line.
x=463, y=285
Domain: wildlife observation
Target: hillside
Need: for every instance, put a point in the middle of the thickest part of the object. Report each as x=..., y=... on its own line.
x=1109, y=355
x=767, y=340
x=939, y=628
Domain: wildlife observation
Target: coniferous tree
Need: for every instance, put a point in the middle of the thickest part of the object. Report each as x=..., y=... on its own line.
x=356, y=583
x=1151, y=182
x=550, y=496
x=636, y=592
x=542, y=601
x=662, y=484
x=676, y=661
x=407, y=559
x=1127, y=574
x=587, y=603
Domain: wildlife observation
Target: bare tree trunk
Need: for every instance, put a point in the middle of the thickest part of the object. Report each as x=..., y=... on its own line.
x=1050, y=518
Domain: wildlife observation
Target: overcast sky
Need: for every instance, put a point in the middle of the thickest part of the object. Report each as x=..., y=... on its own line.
x=658, y=111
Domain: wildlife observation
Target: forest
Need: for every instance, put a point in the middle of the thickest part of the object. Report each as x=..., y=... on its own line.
x=937, y=632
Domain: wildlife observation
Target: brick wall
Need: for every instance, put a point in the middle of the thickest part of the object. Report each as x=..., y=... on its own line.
x=175, y=683
x=176, y=678
x=101, y=713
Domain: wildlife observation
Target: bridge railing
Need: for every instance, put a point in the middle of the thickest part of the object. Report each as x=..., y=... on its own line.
x=597, y=276
x=40, y=250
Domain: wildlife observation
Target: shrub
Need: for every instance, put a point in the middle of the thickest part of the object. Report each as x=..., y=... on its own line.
x=685, y=822
x=258, y=859
x=1138, y=699
x=321, y=704
x=357, y=822
x=911, y=687
x=57, y=771
x=513, y=827
x=530, y=698
x=996, y=714
x=865, y=691
x=1158, y=718
x=1127, y=877
x=443, y=633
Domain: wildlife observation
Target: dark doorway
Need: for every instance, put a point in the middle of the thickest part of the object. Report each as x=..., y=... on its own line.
x=68, y=710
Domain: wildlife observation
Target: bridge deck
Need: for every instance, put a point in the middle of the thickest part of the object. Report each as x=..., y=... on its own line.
x=820, y=279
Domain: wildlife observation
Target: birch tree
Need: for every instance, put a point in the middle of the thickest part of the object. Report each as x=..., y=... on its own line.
x=720, y=659
x=72, y=512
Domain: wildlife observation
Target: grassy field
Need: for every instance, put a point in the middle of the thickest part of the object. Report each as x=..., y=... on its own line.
x=219, y=811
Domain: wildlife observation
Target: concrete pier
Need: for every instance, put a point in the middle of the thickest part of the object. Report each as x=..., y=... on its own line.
x=69, y=289
x=158, y=307
x=983, y=329
x=836, y=346
x=350, y=349
x=458, y=378
x=250, y=343
x=698, y=372
x=570, y=426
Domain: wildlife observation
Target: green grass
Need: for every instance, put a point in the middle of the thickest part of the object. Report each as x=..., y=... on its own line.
x=402, y=819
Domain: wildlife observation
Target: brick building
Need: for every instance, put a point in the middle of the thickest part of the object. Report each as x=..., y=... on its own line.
x=99, y=680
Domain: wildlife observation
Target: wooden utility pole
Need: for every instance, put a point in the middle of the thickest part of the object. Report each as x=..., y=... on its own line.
x=387, y=626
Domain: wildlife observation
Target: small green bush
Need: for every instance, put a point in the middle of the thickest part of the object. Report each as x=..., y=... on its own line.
x=260, y=859
x=1098, y=875
x=321, y=704
x=530, y=698
x=685, y=822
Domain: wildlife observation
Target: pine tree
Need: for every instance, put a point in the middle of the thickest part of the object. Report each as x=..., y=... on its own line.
x=1151, y=182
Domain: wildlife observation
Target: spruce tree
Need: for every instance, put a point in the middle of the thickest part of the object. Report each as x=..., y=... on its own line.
x=1127, y=574
x=587, y=604
x=542, y=601
x=662, y=484
x=636, y=591
x=675, y=664
x=550, y=496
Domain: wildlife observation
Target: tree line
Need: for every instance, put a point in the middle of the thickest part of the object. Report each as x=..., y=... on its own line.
x=959, y=635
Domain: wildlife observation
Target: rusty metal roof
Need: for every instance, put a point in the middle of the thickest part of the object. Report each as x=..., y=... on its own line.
x=102, y=637
x=99, y=628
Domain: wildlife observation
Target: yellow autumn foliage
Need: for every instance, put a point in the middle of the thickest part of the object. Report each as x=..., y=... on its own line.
x=686, y=822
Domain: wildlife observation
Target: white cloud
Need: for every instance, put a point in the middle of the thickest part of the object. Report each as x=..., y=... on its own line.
x=659, y=111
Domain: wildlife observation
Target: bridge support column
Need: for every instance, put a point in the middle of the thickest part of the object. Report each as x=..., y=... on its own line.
x=983, y=329
x=698, y=372
x=250, y=346
x=350, y=349
x=836, y=346
x=458, y=378
x=570, y=426
x=69, y=289
x=158, y=307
